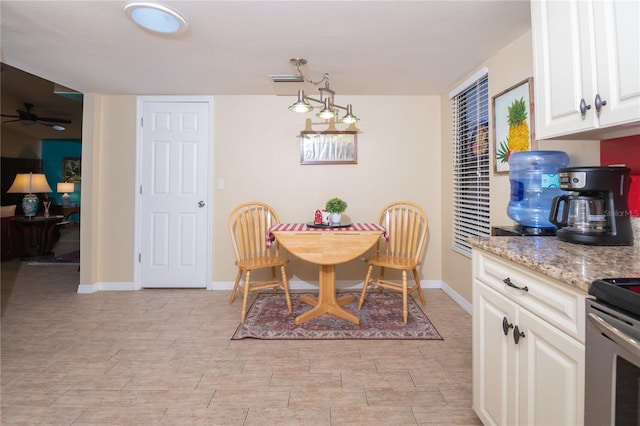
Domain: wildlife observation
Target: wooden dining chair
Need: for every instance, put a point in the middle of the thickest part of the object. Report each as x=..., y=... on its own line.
x=407, y=226
x=248, y=225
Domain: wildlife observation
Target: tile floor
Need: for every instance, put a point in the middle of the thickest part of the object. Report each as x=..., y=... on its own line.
x=164, y=357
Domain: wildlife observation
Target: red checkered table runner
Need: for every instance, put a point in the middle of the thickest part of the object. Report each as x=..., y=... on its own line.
x=302, y=227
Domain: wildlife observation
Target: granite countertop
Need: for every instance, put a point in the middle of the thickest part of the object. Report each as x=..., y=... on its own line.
x=575, y=264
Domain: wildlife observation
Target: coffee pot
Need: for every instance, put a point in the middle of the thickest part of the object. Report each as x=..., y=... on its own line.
x=596, y=212
x=580, y=213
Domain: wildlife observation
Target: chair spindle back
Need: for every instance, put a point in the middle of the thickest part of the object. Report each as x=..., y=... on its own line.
x=248, y=226
x=407, y=227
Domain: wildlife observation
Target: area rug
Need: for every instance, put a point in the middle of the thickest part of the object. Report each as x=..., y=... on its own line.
x=380, y=319
x=67, y=258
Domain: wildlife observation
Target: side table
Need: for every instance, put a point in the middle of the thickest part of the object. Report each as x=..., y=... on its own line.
x=40, y=235
x=67, y=212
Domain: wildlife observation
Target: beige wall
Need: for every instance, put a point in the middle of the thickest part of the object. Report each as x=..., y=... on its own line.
x=19, y=145
x=256, y=154
x=508, y=67
x=109, y=145
x=404, y=152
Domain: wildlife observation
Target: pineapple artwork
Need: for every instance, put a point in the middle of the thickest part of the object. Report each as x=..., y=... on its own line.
x=511, y=112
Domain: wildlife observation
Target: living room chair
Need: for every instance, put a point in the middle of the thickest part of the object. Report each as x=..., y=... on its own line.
x=248, y=225
x=407, y=226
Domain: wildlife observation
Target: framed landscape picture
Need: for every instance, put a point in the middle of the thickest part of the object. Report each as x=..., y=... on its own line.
x=329, y=147
x=513, y=123
x=71, y=169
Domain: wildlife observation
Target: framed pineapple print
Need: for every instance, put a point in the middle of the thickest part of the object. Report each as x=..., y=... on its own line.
x=513, y=123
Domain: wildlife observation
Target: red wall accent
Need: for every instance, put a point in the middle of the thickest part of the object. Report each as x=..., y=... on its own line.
x=625, y=151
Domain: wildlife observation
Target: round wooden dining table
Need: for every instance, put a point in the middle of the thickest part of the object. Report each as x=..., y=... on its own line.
x=327, y=247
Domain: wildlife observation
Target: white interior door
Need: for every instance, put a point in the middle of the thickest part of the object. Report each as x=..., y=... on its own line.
x=174, y=194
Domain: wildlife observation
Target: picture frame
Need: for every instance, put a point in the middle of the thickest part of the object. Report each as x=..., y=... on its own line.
x=72, y=169
x=518, y=101
x=329, y=147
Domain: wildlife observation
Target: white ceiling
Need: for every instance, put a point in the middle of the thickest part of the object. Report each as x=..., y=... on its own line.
x=231, y=47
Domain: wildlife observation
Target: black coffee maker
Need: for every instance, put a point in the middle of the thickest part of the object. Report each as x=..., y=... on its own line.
x=597, y=211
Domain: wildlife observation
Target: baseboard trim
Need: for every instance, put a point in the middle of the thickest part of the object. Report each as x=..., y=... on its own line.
x=356, y=285
x=468, y=307
x=108, y=286
x=294, y=284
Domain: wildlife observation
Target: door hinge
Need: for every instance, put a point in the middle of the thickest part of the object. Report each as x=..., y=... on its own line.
x=139, y=257
x=140, y=189
x=141, y=121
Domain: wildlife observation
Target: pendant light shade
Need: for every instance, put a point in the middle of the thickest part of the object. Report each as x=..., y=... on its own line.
x=301, y=105
x=326, y=112
x=349, y=117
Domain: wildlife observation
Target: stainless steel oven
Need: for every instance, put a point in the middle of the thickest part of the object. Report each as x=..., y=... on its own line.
x=612, y=374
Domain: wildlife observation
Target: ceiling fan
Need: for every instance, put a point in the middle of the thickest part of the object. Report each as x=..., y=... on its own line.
x=29, y=118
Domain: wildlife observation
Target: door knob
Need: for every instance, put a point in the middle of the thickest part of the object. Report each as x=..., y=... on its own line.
x=201, y=204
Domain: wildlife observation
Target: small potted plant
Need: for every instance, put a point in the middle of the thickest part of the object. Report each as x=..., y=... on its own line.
x=336, y=207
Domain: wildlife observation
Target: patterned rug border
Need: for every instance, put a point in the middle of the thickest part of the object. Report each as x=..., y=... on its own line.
x=378, y=321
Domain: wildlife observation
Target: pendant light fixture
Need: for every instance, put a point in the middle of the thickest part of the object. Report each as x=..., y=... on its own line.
x=329, y=107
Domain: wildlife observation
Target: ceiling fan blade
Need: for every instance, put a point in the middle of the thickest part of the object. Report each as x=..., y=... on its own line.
x=10, y=121
x=45, y=124
x=54, y=120
x=12, y=116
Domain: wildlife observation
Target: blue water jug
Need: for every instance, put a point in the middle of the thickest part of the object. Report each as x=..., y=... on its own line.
x=534, y=183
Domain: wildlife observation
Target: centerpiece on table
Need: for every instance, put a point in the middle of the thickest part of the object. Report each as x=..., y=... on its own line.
x=336, y=207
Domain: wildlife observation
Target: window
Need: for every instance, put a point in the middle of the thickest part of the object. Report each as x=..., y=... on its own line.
x=470, y=161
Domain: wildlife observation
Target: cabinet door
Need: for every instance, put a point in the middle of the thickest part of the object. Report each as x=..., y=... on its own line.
x=617, y=38
x=563, y=66
x=494, y=357
x=551, y=374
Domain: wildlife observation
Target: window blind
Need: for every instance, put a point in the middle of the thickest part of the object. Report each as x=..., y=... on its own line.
x=470, y=164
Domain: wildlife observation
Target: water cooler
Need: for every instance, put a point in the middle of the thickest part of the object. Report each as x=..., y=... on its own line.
x=534, y=180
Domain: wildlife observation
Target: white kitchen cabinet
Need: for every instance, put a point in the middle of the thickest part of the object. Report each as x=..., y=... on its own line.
x=586, y=67
x=539, y=379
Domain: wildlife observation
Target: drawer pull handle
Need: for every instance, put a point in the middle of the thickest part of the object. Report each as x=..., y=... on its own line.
x=506, y=325
x=517, y=334
x=508, y=282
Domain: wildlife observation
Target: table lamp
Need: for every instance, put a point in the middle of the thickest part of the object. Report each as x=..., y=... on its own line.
x=65, y=188
x=30, y=184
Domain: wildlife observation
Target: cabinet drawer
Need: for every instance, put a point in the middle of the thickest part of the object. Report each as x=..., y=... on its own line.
x=551, y=300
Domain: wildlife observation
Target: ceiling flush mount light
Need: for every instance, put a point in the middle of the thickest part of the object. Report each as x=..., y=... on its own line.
x=329, y=107
x=154, y=17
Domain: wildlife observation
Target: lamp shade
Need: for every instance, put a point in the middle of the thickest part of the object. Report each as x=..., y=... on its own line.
x=30, y=183
x=66, y=187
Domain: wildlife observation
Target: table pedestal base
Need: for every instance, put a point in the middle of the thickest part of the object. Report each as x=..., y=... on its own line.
x=327, y=302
